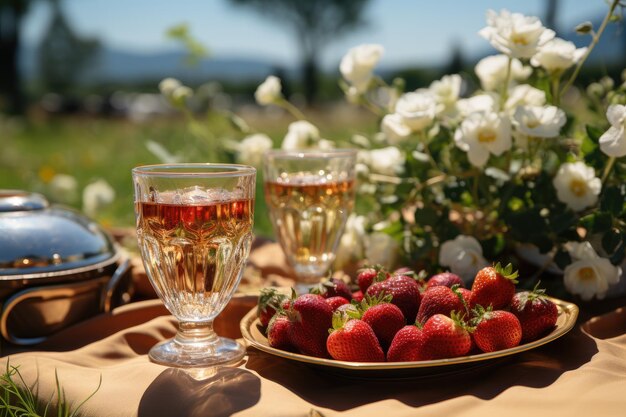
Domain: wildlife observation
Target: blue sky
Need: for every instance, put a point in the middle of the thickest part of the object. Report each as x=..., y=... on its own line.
x=412, y=31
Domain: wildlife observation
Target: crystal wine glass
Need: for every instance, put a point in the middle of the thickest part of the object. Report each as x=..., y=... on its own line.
x=194, y=227
x=310, y=194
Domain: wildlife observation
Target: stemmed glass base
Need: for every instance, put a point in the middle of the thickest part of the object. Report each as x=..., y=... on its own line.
x=196, y=345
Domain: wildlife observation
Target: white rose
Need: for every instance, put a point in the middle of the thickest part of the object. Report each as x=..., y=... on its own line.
x=417, y=109
x=386, y=161
x=589, y=275
x=357, y=65
x=557, y=55
x=97, y=195
x=577, y=185
x=463, y=255
x=168, y=85
x=381, y=249
x=514, y=34
x=477, y=103
x=539, y=121
x=394, y=128
x=491, y=71
x=481, y=134
x=613, y=141
x=301, y=135
x=351, y=245
x=524, y=95
x=64, y=188
x=252, y=148
x=447, y=90
x=269, y=91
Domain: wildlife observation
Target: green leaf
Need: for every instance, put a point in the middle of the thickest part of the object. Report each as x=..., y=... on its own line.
x=562, y=258
x=599, y=222
x=610, y=240
x=426, y=216
x=594, y=133
x=562, y=221
x=618, y=257
x=612, y=201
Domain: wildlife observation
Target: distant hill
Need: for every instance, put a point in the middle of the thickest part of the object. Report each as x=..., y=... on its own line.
x=114, y=65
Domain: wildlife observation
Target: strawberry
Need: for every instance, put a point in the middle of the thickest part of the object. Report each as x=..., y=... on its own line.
x=404, y=291
x=407, y=345
x=367, y=276
x=332, y=288
x=496, y=330
x=440, y=300
x=311, y=317
x=447, y=279
x=383, y=317
x=353, y=340
x=278, y=331
x=357, y=296
x=270, y=301
x=445, y=337
x=494, y=286
x=335, y=302
x=536, y=313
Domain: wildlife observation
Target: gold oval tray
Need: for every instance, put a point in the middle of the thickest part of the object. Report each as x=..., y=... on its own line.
x=252, y=333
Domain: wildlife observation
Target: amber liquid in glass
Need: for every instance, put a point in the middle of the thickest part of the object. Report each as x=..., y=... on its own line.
x=195, y=253
x=308, y=216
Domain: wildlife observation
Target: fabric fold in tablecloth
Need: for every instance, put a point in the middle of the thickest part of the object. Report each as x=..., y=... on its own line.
x=583, y=372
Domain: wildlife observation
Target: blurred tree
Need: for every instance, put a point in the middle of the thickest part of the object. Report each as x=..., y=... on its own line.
x=315, y=23
x=62, y=54
x=11, y=14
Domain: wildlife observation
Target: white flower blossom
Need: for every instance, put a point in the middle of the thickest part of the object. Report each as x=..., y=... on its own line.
x=491, y=71
x=182, y=93
x=577, y=185
x=252, y=148
x=539, y=121
x=96, y=196
x=417, y=109
x=352, y=244
x=589, y=274
x=357, y=65
x=514, y=34
x=478, y=103
x=557, y=55
x=269, y=91
x=301, y=135
x=394, y=129
x=381, y=249
x=613, y=141
x=524, y=95
x=168, y=85
x=386, y=161
x=481, y=134
x=64, y=188
x=463, y=255
x=446, y=91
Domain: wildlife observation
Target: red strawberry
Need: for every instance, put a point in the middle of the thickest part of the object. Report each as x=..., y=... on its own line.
x=270, y=301
x=407, y=345
x=311, y=318
x=367, y=276
x=383, y=317
x=536, y=313
x=357, y=296
x=332, y=288
x=353, y=340
x=335, y=302
x=494, y=286
x=405, y=294
x=496, y=330
x=447, y=279
x=441, y=300
x=278, y=331
x=445, y=337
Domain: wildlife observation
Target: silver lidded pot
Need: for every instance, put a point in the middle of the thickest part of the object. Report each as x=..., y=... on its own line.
x=57, y=267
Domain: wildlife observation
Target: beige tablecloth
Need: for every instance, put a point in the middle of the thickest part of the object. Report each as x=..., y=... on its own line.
x=581, y=374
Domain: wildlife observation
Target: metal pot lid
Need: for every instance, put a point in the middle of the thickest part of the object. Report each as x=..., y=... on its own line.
x=36, y=238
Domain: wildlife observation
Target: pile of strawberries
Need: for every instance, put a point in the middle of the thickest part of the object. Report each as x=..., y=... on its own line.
x=401, y=317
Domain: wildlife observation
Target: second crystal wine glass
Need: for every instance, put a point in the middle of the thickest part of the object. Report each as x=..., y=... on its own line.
x=310, y=195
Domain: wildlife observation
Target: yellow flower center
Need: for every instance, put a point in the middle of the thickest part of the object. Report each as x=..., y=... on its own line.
x=578, y=187
x=586, y=274
x=519, y=39
x=531, y=124
x=486, y=136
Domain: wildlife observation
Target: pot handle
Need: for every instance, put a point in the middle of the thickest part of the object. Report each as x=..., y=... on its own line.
x=106, y=299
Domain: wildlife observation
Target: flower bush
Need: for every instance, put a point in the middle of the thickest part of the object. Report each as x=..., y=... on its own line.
x=458, y=177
